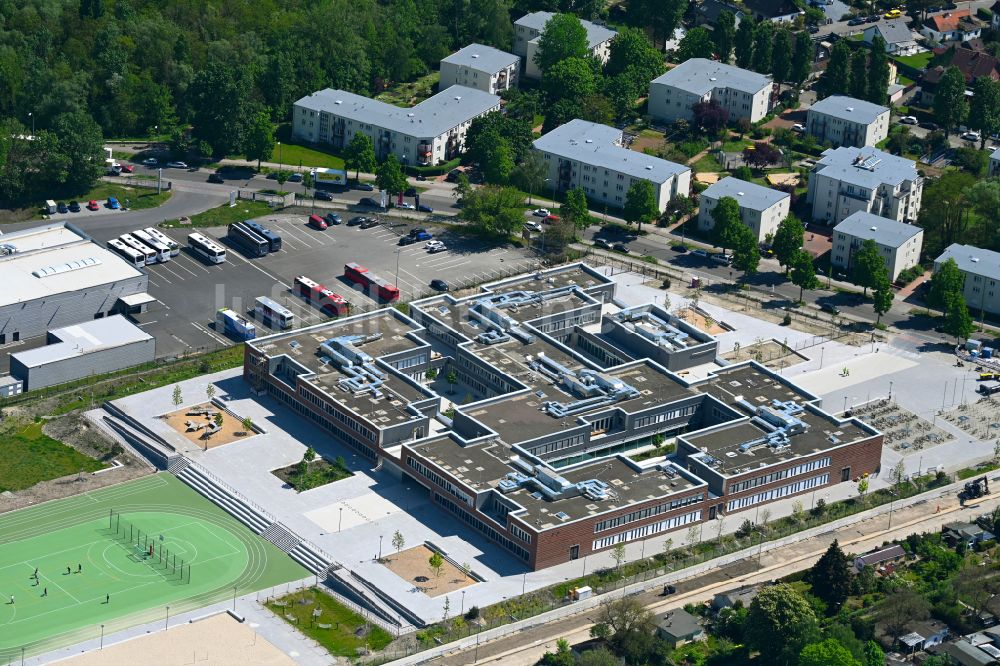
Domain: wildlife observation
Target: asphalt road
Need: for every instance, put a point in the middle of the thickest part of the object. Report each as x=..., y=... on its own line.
x=841, y=27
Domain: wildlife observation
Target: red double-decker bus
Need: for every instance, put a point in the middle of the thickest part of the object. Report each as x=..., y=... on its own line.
x=373, y=284
x=328, y=301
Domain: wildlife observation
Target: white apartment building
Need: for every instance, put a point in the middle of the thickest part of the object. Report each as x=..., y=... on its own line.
x=995, y=163
x=591, y=156
x=743, y=93
x=429, y=133
x=761, y=208
x=846, y=180
x=481, y=67
x=982, y=276
x=846, y=121
x=529, y=28
x=898, y=243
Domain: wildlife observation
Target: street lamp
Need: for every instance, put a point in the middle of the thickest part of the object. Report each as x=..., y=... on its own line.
x=32, y=116
x=102, y=637
x=166, y=622
x=234, y=598
x=379, y=547
x=462, y=612
x=341, y=520
x=279, y=157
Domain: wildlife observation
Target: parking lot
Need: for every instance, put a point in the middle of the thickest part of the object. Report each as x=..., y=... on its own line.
x=190, y=290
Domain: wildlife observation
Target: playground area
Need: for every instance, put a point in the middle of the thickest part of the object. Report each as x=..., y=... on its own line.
x=413, y=565
x=118, y=557
x=207, y=426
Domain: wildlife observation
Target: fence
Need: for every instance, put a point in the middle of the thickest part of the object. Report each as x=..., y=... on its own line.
x=273, y=200
x=145, y=182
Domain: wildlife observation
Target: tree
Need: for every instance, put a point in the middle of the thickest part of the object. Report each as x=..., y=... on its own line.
x=746, y=253
x=831, y=577
x=389, y=176
x=632, y=56
x=898, y=609
x=947, y=280
x=697, y=43
x=218, y=419
x=761, y=154
x=828, y=653
x=724, y=34
x=498, y=211
x=436, y=563
x=80, y=147
x=710, y=117
x=836, y=79
x=984, y=110
x=803, y=58
x=743, y=43
x=259, y=143
x=452, y=379
x=957, y=320
x=309, y=455
x=618, y=555
x=763, y=44
x=563, y=37
x=803, y=272
x=868, y=265
x=575, y=209
x=247, y=424
x=781, y=56
x=950, y=107
x=944, y=210
x=222, y=106
x=878, y=72
x=622, y=620
x=570, y=78
x=398, y=541
x=360, y=155
x=725, y=222
x=210, y=391
x=874, y=656
x=640, y=203
x=481, y=138
x=859, y=74
x=788, y=241
x=500, y=163
x=661, y=17
x=779, y=624
x=530, y=173
x=177, y=398
x=883, y=295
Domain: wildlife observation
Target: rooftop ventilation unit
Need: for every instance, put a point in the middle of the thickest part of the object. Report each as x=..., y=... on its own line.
x=66, y=268
x=6, y=249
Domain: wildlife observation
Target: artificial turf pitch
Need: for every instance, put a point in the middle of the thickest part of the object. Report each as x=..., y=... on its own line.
x=117, y=586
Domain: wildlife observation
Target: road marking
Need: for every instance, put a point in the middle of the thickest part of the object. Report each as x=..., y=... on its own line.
x=163, y=277
x=210, y=334
x=175, y=274
x=148, y=323
x=185, y=268
x=192, y=261
x=151, y=281
x=255, y=266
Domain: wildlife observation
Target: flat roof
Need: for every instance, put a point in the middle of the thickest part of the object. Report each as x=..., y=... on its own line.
x=701, y=76
x=849, y=108
x=55, y=259
x=866, y=167
x=483, y=58
x=428, y=119
x=747, y=194
x=82, y=339
x=579, y=275
x=600, y=146
x=596, y=34
x=973, y=260
x=865, y=225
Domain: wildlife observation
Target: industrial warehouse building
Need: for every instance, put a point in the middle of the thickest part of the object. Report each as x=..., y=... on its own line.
x=55, y=276
x=83, y=350
x=561, y=381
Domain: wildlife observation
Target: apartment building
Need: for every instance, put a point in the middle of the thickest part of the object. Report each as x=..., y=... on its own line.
x=995, y=163
x=429, y=133
x=982, y=276
x=761, y=208
x=481, y=67
x=846, y=121
x=898, y=243
x=847, y=180
x=591, y=156
x=743, y=93
x=529, y=28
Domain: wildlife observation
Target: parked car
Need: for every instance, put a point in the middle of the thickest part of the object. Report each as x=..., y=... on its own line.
x=872, y=19
x=829, y=307
x=422, y=235
x=928, y=125
x=332, y=218
x=620, y=247
x=93, y=205
x=433, y=245
x=602, y=243
x=533, y=225
x=857, y=20
x=421, y=177
x=410, y=192
x=699, y=253
x=541, y=212
x=295, y=178
x=722, y=258
x=215, y=178
x=317, y=222
x=453, y=175
x=61, y=207
x=415, y=231
x=126, y=168
x=908, y=120
x=74, y=206
x=424, y=208
x=150, y=161
x=551, y=219
x=680, y=249
x=439, y=285
x=437, y=248
x=798, y=127
x=369, y=223
x=406, y=205
x=972, y=135
x=812, y=29
x=406, y=240
x=368, y=201
x=177, y=165
x=365, y=187
x=323, y=195
x=113, y=203
x=355, y=221
x=892, y=14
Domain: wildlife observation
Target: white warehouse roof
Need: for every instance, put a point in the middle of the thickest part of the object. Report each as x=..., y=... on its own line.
x=85, y=338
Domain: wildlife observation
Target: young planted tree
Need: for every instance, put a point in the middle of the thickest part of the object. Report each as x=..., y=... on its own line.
x=883, y=296
x=247, y=424
x=309, y=455
x=219, y=419
x=398, y=541
x=177, y=397
x=618, y=555
x=436, y=563
x=210, y=391
x=452, y=379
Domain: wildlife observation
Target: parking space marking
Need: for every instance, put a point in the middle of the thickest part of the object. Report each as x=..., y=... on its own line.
x=183, y=267
x=210, y=334
x=152, y=281
x=253, y=265
x=161, y=276
x=177, y=275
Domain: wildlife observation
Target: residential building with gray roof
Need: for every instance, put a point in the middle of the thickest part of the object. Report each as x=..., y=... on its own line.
x=481, y=67
x=848, y=179
x=761, y=208
x=995, y=163
x=846, y=121
x=591, y=156
x=899, y=40
x=529, y=28
x=743, y=93
x=898, y=243
x=428, y=133
x=982, y=275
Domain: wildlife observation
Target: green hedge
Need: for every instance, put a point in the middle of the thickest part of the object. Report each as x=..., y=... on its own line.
x=436, y=170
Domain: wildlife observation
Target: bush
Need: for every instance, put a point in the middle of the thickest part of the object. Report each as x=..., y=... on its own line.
x=984, y=14
x=472, y=613
x=910, y=274
x=693, y=147
x=787, y=320
x=760, y=132
x=665, y=284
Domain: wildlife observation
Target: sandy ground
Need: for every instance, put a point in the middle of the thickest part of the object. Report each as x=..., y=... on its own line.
x=707, y=178
x=769, y=352
x=231, y=431
x=783, y=178
x=699, y=321
x=412, y=565
x=219, y=640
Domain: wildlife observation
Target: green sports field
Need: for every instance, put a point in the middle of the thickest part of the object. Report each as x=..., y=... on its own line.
x=94, y=567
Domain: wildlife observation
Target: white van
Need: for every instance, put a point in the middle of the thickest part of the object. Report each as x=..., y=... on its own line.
x=50, y=207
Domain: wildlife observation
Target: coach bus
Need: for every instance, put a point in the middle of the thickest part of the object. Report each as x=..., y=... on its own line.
x=129, y=254
x=272, y=313
x=329, y=302
x=161, y=237
x=136, y=244
x=162, y=249
x=235, y=325
x=209, y=249
x=273, y=239
x=248, y=241
x=373, y=285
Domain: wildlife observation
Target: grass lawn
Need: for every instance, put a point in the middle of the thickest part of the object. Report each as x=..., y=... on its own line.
x=918, y=61
x=223, y=215
x=340, y=639
x=736, y=145
x=408, y=94
x=29, y=456
x=138, y=197
x=293, y=155
x=707, y=164
x=318, y=473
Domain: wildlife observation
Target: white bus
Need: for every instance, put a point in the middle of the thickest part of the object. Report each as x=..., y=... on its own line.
x=271, y=313
x=207, y=248
x=162, y=249
x=175, y=248
x=136, y=244
x=129, y=254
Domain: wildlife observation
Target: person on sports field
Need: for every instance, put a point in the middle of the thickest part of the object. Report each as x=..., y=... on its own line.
x=79, y=568
x=45, y=592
